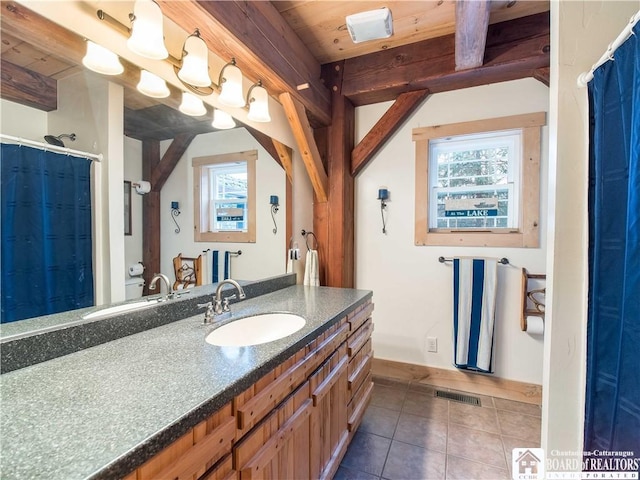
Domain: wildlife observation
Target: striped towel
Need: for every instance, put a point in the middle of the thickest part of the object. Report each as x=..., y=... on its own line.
x=474, y=303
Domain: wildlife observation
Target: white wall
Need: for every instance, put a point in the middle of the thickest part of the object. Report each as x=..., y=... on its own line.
x=22, y=121
x=412, y=290
x=580, y=34
x=133, y=173
x=265, y=257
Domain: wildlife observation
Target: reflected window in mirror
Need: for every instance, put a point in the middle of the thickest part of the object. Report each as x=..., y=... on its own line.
x=224, y=197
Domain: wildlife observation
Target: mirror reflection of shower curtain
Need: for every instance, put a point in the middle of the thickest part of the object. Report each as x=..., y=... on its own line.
x=46, y=240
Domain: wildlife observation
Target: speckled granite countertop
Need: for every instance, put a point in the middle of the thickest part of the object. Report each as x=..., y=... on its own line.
x=101, y=412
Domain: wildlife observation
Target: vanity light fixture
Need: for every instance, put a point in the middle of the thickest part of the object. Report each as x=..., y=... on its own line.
x=102, y=60
x=275, y=206
x=230, y=83
x=258, y=101
x=195, y=62
x=147, y=39
x=152, y=85
x=192, y=105
x=222, y=120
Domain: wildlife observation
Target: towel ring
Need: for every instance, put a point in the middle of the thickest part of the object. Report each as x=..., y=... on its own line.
x=306, y=234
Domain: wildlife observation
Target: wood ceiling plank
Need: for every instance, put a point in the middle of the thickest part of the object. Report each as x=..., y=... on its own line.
x=230, y=32
x=72, y=70
x=7, y=42
x=472, y=22
x=514, y=50
x=303, y=134
x=28, y=88
x=384, y=129
x=49, y=65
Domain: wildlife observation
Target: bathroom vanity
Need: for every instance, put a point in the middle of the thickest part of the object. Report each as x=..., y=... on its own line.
x=163, y=403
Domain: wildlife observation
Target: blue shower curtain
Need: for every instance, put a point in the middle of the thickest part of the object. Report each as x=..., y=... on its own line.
x=46, y=242
x=612, y=416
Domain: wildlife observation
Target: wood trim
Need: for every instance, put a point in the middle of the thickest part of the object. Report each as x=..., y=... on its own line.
x=306, y=143
x=285, y=157
x=542, y=75
x=200, y=190
x=150, y=214
x=459, y=380
x=472, y=23
x=170, y=159
x=385, y=128
x=528, y=234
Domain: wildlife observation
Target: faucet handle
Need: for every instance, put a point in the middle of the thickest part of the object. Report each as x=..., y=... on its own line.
x=208, y=315
x=205, y=305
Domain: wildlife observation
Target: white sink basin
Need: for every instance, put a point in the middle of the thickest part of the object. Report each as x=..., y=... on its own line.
x=128, y=307
x=256, y=330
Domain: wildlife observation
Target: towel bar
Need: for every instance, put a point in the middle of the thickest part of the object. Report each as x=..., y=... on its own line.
x=306, y=234
x=502, y=261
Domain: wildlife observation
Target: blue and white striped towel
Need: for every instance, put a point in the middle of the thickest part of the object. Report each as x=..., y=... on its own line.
x=474, y=304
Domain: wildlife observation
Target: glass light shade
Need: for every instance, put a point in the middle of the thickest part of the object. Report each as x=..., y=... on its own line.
x=152, y=85
x=101, y=60
x=259, y=105
x=222, y=120
x=192, y=105
x=231, y=86
x=195, y=62
x=147, y=39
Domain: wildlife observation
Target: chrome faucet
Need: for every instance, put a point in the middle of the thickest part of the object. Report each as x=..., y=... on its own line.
x=167, y=283
x=221, y=305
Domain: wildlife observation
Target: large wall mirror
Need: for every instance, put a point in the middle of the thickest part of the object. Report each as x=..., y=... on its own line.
x=118, y=121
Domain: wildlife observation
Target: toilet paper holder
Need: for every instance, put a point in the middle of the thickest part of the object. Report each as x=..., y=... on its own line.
x=141, y=187
x=529, y=296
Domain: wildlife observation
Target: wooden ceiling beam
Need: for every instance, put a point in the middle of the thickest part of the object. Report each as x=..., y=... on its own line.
x=472, y=22
x=29, y=88
x=542, y=75
x=162, y=170
x=285, y=154
x=514, y=49
x=384, y=129
x=263, y=44
x=303, y=134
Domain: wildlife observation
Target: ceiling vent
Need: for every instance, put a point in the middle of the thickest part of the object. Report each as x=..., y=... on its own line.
x=370, y=25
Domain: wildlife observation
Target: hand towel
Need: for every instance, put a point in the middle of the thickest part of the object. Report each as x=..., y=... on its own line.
x=290, y=261
x=311, y=269
x=474, y=302
x=204, y=265
x=215, y=278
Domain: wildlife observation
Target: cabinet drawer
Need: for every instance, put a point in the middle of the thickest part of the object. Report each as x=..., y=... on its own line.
x=222, y=471
x=356, y=362
x=283, y=432
x=328, y=374
x=359, y=403
x=357, y=318
x=360, y=374
x=192, y=454
x=360, y=337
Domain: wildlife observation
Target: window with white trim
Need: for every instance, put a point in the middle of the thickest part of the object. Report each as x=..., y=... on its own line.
x=478, y=183
x=224, y=197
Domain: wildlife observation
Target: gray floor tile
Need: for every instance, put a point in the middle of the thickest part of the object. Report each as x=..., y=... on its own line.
x=476, y=445
x=463, y=469
x=518, y=407
x=423, y=432
x=474, y=417
x=345, y=473
x=388, y=397
x=510, y=443
x=425, y=405
x=390, y=382
x=422, y=387
x=410, y=462
x=367, y=453
x=525, y=427
x=379, y=421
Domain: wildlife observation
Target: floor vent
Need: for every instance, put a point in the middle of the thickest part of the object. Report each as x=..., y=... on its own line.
x=459, y=397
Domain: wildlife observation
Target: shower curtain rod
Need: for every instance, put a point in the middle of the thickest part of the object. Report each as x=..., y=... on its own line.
x=586, y=77
x=45, y=146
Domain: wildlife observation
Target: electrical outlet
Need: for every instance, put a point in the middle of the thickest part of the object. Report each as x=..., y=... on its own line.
x=432, y=344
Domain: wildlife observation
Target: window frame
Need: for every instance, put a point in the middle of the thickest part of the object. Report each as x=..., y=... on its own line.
x=202, y=198
x=527, y=235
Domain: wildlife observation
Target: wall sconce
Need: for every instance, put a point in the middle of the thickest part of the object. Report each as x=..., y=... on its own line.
x=101, y=60
x=383, y=196
x=258, y=101
x=192, y=105
x=222, y=120
x=275, y=206
x=152, y=85
x=147, y=39
x=175, y=212
x=192, y=68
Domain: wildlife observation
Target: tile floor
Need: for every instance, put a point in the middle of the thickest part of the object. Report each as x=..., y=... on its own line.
x=409, y=434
